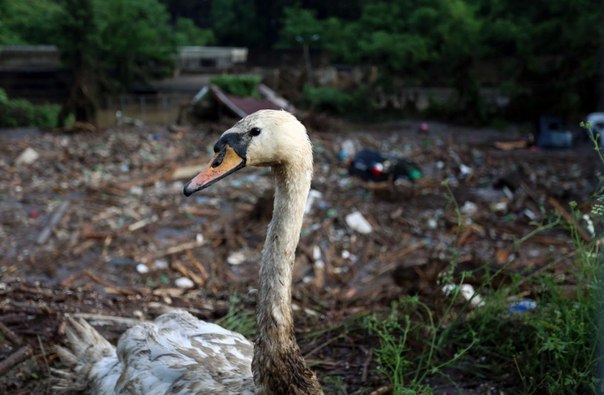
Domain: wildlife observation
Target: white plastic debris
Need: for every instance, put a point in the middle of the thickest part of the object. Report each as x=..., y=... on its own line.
x=358, y=223
x=312, y=196
x=501, y=206
x=529, y=214
x=138, y=314
x=136, y=190
x=522, y=305
x=199, y=238
x=184, y=283
x=236, y=258
x=160, y=264
x=347, y=149
x=589, y=225
x=346, y=254
x=27, y=157
x=465, y=170
x=142, y=268
x=467, y=291
x=469, y=208
x=432, y=223
x=316, y=253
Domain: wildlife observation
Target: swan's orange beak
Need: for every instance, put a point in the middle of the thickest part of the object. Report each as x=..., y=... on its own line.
x=225, y=162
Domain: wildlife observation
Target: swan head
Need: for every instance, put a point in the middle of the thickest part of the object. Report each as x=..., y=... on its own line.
x=264, y=138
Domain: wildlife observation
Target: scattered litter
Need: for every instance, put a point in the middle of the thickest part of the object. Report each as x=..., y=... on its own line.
x=529, y=214
x=589, y=225
x=27, y=157
x=511, y=145
x=236, y=258
x=160, y=264
x=136, y=190
x=347, y=150
x=522, y=305
x=55, y=218
x=465, y=170
x=500, y=206
x=138, y=314
x=142, y=268
x=184, y=283
x=467, y=291
x=312, y=196
x=357, y=222
x=121, y=261
x=469, y=208
x=370, y=165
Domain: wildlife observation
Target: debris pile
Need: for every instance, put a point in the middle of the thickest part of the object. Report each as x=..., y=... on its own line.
x=97, y=224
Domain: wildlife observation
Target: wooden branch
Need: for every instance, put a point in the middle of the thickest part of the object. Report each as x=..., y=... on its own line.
x=55, y=218
x=10, y=335
x=102, y=320
x=15, y=358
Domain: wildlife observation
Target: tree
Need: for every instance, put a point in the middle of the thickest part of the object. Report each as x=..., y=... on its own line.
x=78, y=45
x=27, y=21
x=136, y=42
x=187, y=33
x=235, y=22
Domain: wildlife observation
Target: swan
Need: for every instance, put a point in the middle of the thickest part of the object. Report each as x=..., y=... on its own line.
x=180, y=354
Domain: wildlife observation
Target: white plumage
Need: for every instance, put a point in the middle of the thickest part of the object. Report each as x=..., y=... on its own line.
x=179, y=354
x=175, y=354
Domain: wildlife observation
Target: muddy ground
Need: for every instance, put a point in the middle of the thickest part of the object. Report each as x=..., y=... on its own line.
x=98, y=226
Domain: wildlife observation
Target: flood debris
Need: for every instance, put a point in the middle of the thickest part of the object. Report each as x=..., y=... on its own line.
x=358, y=223
x=27, y=157
x=98, y=225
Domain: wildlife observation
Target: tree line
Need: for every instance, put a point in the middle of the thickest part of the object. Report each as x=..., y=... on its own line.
x=543, y=54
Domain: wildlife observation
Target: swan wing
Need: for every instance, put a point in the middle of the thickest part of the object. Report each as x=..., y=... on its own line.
x=179, y=354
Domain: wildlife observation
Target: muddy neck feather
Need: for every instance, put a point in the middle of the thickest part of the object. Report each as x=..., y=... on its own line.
x=278, y=365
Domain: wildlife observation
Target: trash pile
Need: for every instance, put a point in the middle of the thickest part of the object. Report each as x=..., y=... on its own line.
x=96, y=224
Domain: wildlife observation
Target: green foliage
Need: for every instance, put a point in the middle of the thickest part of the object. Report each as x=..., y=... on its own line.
x=27, y=21
x=443, y=43
x=238, y=85
x=21, y=112
x=187, y=33
x=327, y=99
x=235, y=22
x=411, y=322
x=135, y=40
x=238, y=319
x=552, y=349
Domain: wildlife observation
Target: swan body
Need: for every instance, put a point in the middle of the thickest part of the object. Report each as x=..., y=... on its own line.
x=180, y=354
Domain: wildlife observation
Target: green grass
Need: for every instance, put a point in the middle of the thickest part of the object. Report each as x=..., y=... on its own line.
x=552, y=349
x=238, y=85
x=238, y=318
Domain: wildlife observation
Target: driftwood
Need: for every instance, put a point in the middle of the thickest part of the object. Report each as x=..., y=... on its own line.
x=15, y=358
x=103, y=320
x=55, y=218
x=10, y=335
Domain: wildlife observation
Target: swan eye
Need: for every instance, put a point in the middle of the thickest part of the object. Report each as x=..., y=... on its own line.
x=255, y=131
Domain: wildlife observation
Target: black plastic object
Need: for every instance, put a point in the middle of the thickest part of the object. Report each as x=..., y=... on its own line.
x=370, y=165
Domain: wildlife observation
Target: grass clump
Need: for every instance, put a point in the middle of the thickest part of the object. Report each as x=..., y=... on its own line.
x=554, y=348
x=21, y=112
x=410, y=341
x=327, y=99
x=238, y=85
x=238, y=319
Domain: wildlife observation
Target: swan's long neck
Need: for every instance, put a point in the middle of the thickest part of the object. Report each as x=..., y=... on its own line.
x=278, y=365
